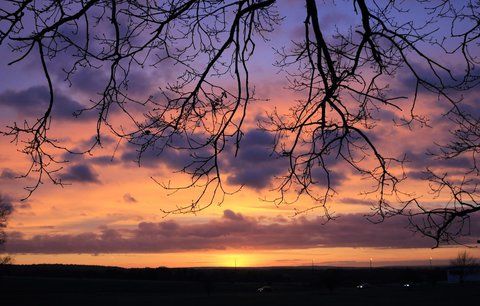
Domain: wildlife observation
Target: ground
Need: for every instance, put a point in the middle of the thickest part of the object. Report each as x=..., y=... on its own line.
x=46, y=291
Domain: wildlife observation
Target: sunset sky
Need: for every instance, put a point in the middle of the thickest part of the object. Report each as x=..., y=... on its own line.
x=110, y=212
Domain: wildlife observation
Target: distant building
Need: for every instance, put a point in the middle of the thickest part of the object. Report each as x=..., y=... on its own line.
x=463, y=274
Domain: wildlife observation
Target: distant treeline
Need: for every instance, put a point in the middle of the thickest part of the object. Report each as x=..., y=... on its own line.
x=307, y=275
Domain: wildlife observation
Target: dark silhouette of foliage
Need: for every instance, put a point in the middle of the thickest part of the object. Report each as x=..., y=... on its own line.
x=5, y=211
x=464, y=259
x=463, y=264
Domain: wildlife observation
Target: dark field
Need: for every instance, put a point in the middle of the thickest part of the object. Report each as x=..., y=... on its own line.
x=49, y=285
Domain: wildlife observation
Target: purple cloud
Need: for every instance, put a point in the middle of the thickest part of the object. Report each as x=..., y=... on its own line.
x=33, y=102
x=253, y=166
x=256, y=166
x=233, y=230
x=81, y=174
x=422, y=161
x=231, y=215
x=9, y=174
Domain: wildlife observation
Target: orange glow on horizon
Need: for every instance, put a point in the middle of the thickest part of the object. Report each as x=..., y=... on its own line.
x=339, y=257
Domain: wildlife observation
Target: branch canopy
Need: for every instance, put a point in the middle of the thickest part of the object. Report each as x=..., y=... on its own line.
x=343, y=82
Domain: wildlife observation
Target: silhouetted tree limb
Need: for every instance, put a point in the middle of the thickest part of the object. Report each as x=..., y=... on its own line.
x=344, y=79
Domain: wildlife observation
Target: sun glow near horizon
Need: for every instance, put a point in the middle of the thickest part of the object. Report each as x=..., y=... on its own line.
x=231, y=258
x=237, y=260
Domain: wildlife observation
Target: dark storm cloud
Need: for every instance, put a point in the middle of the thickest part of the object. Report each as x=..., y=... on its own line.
x=422, y=160
x=472, y=108
x=89, y=81
x=162, y=153
x=335, y=177
x=92, y=81
x=455, y=168
x=9, y=174
x=255, y=166
x=153, y=157
x=33, y=102
x=233, y=230
x=418, y=175
x=405, y=82
x=90, y=144
x=80, y=173
x=76, y=154
x=450, y=117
